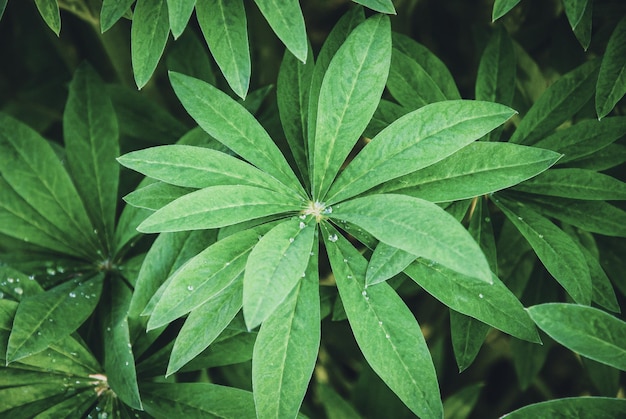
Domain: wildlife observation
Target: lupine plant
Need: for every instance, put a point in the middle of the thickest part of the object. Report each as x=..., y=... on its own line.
x=371, y=239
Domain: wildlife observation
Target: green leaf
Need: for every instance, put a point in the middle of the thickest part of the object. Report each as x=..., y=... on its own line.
x=292, y=95
x=385, y=114
x=168, y=400
x=168, y=253
x=231, y=347
x=233, y=126
x=385, y=263
x=582, y=31
x=199, y=167
x=493, y=304
x=607, y=158
x=576, y=184
x=49, y=11
x=495, y=81
x=119, y=361
x=502, y=7
x=189, y=56
x=611, y=86
x=574, y=407
x=179, y=13
x=460, y=404
x=417, y=227
x=213, y=208
x=224, y=27
x=286, y=349
x=477, y=169
x=334, y=405
x=112, y=11
x=346, y=104
x=148, y=36
x=16, y=284
x=584, y=138
x=588, y=331
x=155, y=196
x=334, y=41
x=28, y=164
x=142, y=118
x=275, y=266
x=574, y=10
x=204, y=325
x=3, y=4
x=91, y=145
x=529, y=359
x=410, y=84
x=429, y=62
x=285, y=18
x=558, y=253
x=203, y=277
x=467, y=335
x=385, y=329
x=382, y=6
x=410, y=144
x=594, y=216
x=44, y=318
x=557, y=104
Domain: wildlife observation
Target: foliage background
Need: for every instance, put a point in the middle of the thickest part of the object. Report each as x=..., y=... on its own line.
x=37, y=67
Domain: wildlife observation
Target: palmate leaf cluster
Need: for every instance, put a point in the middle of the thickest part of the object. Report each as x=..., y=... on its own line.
x=378, y=190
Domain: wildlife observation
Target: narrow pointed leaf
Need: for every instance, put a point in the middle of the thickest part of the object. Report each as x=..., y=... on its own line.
x=611, y=86
x=156, y=195
x=224, y=27
x=198, y=167
x=232, y=125
x=410, y=84
x=502, y=7
x=576, y=184
x=91, y=145
x=168, y=400
x=495, y=81
x=3, y=4
x=112, y=11
x=385, y=263
x=179, y=12
x=275, y=266
x=557, y=104
x=575, y=407
x=203, y=277
x=148, y=37
x=49, y=11
x=286, y=350
x=385, y=330
x=334, y=41
x=204, y=324
x=467, y=335
x=188, y=55
x=574, y=10
x=584, y=138
x=588, y=331
x=215, y=206
x=593, y=216
x=582, y=31
x=382, y=6
x=418, y=227
x=119, y=360
x=28, y=164
x=429, y=62
x=558, y=253
x=478, y=169
x=346, y=105
x=43, y=319
x=336, y=407
x=292, y=95
x=417, y=140
x=493, y=304
x=285, y=18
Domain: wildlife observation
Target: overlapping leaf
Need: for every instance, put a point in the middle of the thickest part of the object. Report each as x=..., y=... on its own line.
x=611, y=85
x=148, y=37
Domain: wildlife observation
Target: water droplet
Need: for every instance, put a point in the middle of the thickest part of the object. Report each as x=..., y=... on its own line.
x=291, y=239
x=387, y=336
x=72, y=294
x=303, y=274
x=333, y=238
x=26, y=239
x=487, y=219
x=51, y=271
x=126, y=363
x=520, y=218
x=190, y=287
x=51, y=320
x=364, y=293
x=38, y=333
x=380, y=323
x=480, y=296
x=60, y=269
x=227, y=264
x=345, y=261
x=31, y=277
x=328, y=210
x=349, y=276
x=108, y=329
x=129, y=345
x=302, y=225
x=75, y=354
x=312, y=254
x=95, y=231
x=10, y=280
x=541, y=236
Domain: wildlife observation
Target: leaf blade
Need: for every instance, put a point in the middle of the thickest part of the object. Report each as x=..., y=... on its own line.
x=148, y=36
x=611, y=85
x=285, y=18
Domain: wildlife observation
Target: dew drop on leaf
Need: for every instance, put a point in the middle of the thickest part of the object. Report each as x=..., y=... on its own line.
x=541, y=236
x=10, y=280
x=487, y=219
x=520, y=218
x=480, y=296
x=291, y=239
x=302, y=225
x=333, y=238
x=190, y=287
x=387, y=336
x=72, y=294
